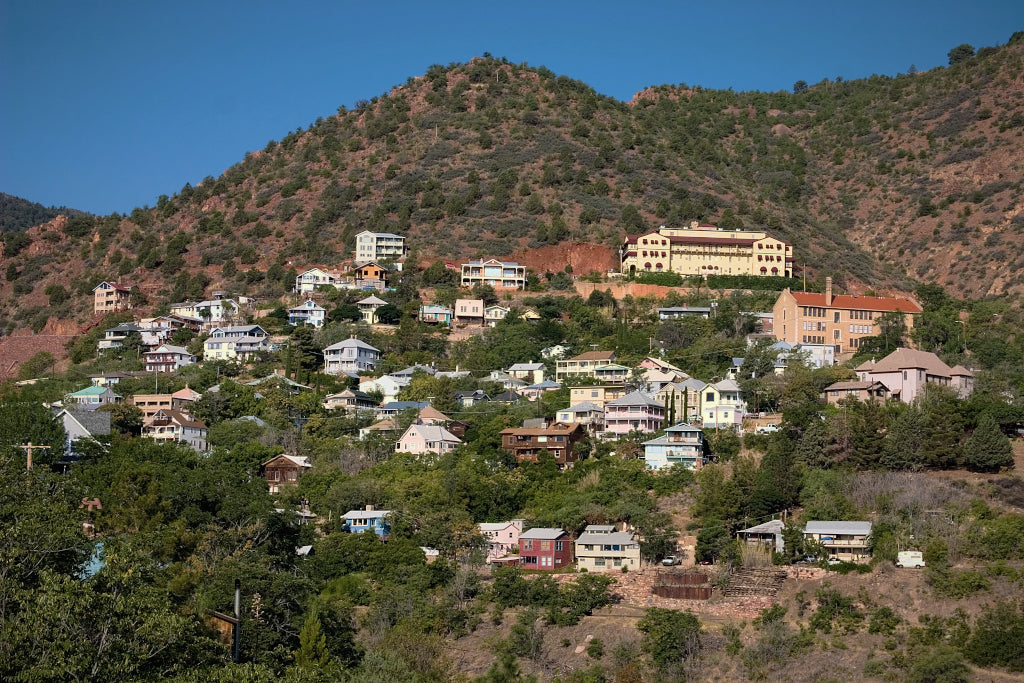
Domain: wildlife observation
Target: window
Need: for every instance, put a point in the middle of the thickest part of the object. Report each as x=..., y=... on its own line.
x=599, y=562
x=545, y=545
x=558, y=546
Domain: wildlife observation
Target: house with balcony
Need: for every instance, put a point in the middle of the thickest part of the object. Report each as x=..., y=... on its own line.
x=681, y=444
x=586, y=413
x=494, y=314
x=685, y=395
x=396, y=408
x=526, y=443
x=583, y=365
x=314, y=278
x=108, y=297
x=173, y=425
x=114, y=337
x=680, y=312
x=284, y=470
x=844, y=541
x=370, y=275
x=435, y=315
x=240, y=342
x=597, y=394
x=612, y=373
x=601, y=548
x=535, y=391
x=158, y=330
x=210, y=312
x=427, y=438
x=350, y=401
x=545, y=549
x=497, y=274
x=469, y=311
x=168, y=358
x=368, y=308
x=380, y=246
x=502, y=537
x=368, y=520
x=722, y=405
x=350, y=357
x=307, y=313
x=633, y=412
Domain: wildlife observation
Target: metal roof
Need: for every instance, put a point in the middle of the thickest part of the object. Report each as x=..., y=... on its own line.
x=854, y=528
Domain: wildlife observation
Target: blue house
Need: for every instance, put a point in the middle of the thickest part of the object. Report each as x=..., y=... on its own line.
x=358, y=521
x=682, y=443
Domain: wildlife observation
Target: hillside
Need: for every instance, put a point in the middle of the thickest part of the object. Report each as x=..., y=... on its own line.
x=876, y=181
x=18, y=214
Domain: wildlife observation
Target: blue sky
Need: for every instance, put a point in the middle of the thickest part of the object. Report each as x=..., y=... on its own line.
x=106, y=105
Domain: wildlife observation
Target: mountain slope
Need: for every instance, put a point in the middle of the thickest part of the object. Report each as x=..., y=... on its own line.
x=875, y=181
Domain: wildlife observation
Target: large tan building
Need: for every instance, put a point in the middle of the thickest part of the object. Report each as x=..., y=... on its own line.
x=701, y=249
x=110, y=296
x=840, y=320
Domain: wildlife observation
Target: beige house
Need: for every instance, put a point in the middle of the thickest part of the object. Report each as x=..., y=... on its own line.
x=701, y=249
x=583, y=365
x=841, y=320
x=857, y=390
x=469, y=311
x=497, y=274
x=844, y=541
x=110, y=296
x=598, y=394
x=600, y=548
x=906, y=373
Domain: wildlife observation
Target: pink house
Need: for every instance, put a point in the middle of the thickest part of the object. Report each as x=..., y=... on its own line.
x=424, y=438
x=635, y=411
x=906, y=373
x=502, y=537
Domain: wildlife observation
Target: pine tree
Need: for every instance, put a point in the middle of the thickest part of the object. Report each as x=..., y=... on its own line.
x=988, y=449
x=312, y=652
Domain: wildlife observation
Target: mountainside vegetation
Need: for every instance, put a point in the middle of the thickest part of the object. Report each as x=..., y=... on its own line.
x=876, y=181
x=17, y=214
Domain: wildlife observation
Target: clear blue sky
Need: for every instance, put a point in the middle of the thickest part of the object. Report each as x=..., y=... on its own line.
x=106, y=105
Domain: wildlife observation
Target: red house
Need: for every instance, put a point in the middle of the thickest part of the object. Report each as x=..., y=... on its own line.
x=545, y=548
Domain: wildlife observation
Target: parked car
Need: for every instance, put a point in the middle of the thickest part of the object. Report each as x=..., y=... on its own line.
x=672, y=560
x=833, y=561
x=767, y=429
x=807, y=559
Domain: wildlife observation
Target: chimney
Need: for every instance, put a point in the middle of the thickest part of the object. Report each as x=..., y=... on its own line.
x=369, y=508
x=828, y=291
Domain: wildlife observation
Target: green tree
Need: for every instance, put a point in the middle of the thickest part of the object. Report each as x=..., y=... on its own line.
x=987, y=449
x=670, y=636
x=941, y=665
x=800, y=87
x=312, y=652
x=960, y=53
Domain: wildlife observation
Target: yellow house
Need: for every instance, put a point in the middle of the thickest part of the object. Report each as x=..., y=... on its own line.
x=702, y=249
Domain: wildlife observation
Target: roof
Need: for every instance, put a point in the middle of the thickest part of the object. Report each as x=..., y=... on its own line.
x=363, y=514
x=554, y=429
x=114, y=285
x=351, y=343
x=184, y=419
x=583, y=407
x=187, y=394
x=433, y=433
x=685, y=309
x=432, y=413
x=904, y=358
x=91, y=390
x=409, y=371
x=542, y=534
x=279, y=379
x=636, y=398
x=614, y=538
x=961, y=371
x=691, y=383
x=124, y=327
x=726, y=385
x=405, y=405
x=307, y=306
x=297, y=460
x=169, y=348
x=546, y=384
x=372, y=300
x=93, y=421
x=497, y=526
x=525, y=367
x=855, y=528
x=507, y=397
x=771, y=527
x=481, y=262
x=600, y=527
x=852, y=385
x=864, y=303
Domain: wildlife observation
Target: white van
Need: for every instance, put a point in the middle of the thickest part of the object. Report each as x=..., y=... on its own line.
x=910, y=558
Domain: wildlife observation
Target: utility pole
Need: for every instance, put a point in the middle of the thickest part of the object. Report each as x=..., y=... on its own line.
x=28, y=448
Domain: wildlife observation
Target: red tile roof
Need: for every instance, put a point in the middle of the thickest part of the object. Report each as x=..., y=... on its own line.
x=863, y=303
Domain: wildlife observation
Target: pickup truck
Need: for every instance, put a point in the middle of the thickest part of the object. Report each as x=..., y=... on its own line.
x=767, y=429
x=672, y=560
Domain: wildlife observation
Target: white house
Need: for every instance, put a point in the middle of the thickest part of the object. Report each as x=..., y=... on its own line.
x=350, y=356
x=168, y=358
x=680, y=444
x=313, y=278
x=379, y=246
x=722, y=404
x=174, y=425
x=238, y=342
x=600, y=548
x=307, y=313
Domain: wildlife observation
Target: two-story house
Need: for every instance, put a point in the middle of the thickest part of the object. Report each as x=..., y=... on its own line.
x=502, y=537
x=370, y=519
x=173, y=425
x=427, y=438
x=350, y=356
x=379, y=246
x=494, y=314
x=115, y=337
x=531, y=373
x=600, y=548
x=497, y=274
x=284, y=470
x=545, y=548
x=368, y=308
x=469, y=311
x=907, y=372
x=168, y=358
x=722, y=405
x=558, y=439
x=158, y=330
x=598, y=394
x=856, y=390
x=350, y=401
x=240, y=342
x=313, y=278
x=633, y=412
x=435, y=314
x=307, y=313
x=110, y=296
x=685, y=396
x=583, y=365
x=680, y=444
x=845, y=541
x=585, y=413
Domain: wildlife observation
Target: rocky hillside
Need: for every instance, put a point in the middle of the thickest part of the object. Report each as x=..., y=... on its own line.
x=876, y=181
